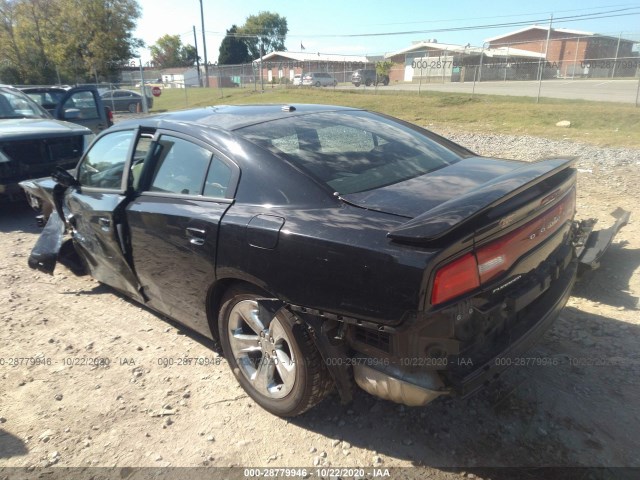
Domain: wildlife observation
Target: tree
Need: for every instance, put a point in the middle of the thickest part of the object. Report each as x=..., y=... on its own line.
x=267, y=30
x=169, y=52
x=233, y=50
x=46, y=41
x=383, y=68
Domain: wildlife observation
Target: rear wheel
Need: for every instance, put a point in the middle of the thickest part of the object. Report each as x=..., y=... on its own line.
x=272, y=356
x=318, y=84
x=133, y=107
x=367, y=83
x=357, y=84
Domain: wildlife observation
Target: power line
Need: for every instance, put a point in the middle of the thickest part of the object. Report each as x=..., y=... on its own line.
x=499, y=16
x=566, y=19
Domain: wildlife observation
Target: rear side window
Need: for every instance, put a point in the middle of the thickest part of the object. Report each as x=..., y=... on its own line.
x=181, y=167
x=218, y=179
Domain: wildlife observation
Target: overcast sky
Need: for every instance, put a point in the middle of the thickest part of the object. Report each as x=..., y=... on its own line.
x=323, y=26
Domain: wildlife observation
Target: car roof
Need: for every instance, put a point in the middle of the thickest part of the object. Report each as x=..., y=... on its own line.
x=120, y=90
x=233, y=117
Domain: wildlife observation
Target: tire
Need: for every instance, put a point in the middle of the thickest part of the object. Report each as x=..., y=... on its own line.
x=132, y=107
x=385, y=82
x=318, y=84
x=274, y=359
x=357, y=84
x=367, y=83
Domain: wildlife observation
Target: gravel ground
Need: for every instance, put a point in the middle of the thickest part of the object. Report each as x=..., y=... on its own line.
x=583, y=411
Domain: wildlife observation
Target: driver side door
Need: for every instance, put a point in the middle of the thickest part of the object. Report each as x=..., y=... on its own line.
x=96, y=205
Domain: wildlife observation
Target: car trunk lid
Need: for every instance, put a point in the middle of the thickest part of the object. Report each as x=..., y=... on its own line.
x=421, y=194
x=512, y=190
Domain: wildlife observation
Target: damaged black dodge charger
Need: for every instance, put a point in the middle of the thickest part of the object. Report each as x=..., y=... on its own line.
x=321, y=245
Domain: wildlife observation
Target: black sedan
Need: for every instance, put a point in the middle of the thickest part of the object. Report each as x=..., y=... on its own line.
x=320, y=245
x=125, y=101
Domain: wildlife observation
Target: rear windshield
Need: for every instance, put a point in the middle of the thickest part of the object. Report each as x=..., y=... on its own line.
x=352, y=151
x=14, y=104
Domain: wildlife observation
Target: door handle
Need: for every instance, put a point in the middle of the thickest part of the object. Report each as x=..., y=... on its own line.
x=196, y=235
x=105, y=223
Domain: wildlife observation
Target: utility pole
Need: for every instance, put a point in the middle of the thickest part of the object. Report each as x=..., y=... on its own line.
x=473, y=90
x=546, y=52
x=195, y=41
x=143, y=89
x=261, y=75
x=204, y=47
x=615, y=61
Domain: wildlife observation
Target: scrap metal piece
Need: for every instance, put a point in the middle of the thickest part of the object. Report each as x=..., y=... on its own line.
x=44, y=254
x=599, y=241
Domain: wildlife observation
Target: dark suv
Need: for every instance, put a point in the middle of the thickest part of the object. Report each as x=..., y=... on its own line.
x=33, y=142
x=368, y=77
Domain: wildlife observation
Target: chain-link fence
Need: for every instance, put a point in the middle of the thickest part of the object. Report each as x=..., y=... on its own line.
x=505, y=65
x=574, y=57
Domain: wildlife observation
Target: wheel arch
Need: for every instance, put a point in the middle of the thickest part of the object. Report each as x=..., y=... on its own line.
x=217, y=292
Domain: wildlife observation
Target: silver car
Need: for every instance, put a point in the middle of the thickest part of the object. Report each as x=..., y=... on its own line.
x=319, y=79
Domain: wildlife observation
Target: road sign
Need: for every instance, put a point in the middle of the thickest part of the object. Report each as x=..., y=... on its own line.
x=156, y=91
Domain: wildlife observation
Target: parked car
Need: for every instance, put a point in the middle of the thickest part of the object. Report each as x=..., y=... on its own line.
x=319, y=79
x=93, y=113
x=320, y=245
x=33, y=142
x=368, y=77
x=125, y=100
x=297, y=80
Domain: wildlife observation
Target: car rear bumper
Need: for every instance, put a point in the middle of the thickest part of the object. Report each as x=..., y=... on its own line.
x=463, y=375
x=534, y=323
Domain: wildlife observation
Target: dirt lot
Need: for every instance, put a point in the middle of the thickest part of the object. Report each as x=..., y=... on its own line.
x=141, y=410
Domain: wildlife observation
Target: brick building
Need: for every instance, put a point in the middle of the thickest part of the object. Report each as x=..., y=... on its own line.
x=574, y=52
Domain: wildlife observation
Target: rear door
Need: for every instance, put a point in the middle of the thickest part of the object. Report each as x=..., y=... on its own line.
x=95, y=209
x=83, y=105
x=184, y=189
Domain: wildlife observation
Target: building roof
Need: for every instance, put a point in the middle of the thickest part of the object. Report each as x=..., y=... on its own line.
x=314, y=57
x=467, y=50
x=449, y=47
x=511, y=52
x=545, y=28
x=175, y=70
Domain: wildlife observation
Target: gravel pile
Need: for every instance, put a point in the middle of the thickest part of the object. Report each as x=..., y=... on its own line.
x=532, y=148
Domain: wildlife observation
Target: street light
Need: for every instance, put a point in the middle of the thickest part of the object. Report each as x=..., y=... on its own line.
x=204, y=46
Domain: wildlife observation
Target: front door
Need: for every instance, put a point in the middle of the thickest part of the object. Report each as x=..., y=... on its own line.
x=83, y=105
x=95, y=209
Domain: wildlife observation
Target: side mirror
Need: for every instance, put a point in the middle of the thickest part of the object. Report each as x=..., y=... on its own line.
x=64, y=178
x=72, y=114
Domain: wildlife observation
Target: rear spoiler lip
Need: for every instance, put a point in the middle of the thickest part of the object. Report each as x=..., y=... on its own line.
x=441, y=220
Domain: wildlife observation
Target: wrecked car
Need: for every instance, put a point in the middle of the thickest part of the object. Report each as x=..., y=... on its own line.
x=324, y=246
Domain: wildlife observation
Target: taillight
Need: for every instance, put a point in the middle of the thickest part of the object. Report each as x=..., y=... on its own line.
x=498, y=256
x=455, y=278
x=470, y=271
x=109, y=116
